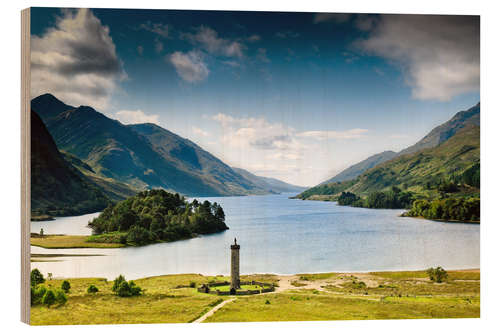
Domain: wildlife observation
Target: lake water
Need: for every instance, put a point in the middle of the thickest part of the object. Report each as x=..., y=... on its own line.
x=279, y=235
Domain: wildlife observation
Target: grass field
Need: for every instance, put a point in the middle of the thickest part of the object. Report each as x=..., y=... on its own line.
x=68, y=242
x=325, y=296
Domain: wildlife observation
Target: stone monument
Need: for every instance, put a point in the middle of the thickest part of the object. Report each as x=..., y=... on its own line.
x=235, y=266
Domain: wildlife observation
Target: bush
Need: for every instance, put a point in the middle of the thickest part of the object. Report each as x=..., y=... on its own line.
x=92, y=289
x=123, y=288
x=65, y=286
x=60, y=297
x=117, y=282
x=267, y=301
x=437, y=274
x=49, y=298
x=37, y=294
x=192, y=284
x=36, y=277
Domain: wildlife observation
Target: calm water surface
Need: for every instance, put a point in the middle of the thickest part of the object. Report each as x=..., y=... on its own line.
x=279, y=235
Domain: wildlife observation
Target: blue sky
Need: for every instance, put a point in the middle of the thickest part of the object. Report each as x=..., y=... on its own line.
x=296, y=96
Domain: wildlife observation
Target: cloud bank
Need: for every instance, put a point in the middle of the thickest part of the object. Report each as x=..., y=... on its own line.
x=76, y=60
x=439, y=54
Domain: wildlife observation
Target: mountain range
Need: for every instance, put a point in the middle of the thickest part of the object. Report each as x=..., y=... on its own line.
x=435, y=137
x=122, y=158
x=57, y=187
x=448, y=151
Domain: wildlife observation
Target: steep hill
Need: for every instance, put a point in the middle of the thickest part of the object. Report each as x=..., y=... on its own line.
x=58, y=188
x=272, y=185
x=358, y=168
x=417, y=172
x=445, y=131
x=435, y=137
x=143, y=156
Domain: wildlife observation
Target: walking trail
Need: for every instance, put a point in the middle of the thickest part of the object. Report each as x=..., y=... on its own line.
x=213, y=310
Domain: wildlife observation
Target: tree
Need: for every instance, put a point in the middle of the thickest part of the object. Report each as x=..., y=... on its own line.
x=65, y=286
x=92, y=289
x=36, y=277
x=437, y=274
x=117, y=282
x=49, y=298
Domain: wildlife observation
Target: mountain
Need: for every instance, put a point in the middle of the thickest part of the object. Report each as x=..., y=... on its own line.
x=142, y=156
x=435, y=137
x=58, y=188
x=445, y=131
x=449, y=151
x=269, y=184
x=358, y=168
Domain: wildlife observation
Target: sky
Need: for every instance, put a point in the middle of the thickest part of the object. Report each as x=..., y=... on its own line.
x=294, y=96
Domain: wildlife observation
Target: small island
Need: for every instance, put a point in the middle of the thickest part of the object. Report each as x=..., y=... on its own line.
x=156, y=216
x=151, y=216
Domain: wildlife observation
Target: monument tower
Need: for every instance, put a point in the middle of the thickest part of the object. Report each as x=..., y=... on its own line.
x=235, y=266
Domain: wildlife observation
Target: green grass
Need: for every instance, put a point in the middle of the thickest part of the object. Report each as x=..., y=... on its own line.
x=283, y=307
x=69, y=242
x=168, y=299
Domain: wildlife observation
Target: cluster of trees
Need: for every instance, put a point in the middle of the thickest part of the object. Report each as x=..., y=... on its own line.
x=42, y=295
x=123, y=288
x=459, y=209
x=394, y=198
x=157, y=215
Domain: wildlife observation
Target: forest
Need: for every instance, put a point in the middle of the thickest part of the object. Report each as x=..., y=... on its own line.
x=154, y=216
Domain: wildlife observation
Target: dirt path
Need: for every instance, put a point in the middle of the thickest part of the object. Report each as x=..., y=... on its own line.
x=213, y=310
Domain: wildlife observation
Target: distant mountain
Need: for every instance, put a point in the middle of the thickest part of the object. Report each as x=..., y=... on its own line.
x=435, y=137
x=449, y=150
x=445, y=131
x=143, y=156
x=358, y=168
x=269, y=184
x=58, y=188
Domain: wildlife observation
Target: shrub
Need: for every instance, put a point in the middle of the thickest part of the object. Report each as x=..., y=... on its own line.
x=437, y=274
x=267, y=301
x=117, y=282
x=49, y=298
x=36, y=277
x=92, y=289
x=192, y=284
x=123, y=288
x=65, y=286
x=37, y=294
x=60, y=297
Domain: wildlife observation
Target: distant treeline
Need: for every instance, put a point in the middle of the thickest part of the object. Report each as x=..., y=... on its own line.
x=458, y=209
x=394, y=198
x=157, y=215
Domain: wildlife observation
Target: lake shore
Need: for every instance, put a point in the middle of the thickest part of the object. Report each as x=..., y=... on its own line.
x=321, y=296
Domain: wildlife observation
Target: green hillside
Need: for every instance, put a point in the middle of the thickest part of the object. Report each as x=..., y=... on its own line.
x=426, y=173
x=58, y=188
x=142, y=156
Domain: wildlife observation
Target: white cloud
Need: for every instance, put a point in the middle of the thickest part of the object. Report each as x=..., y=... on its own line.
x=158, y=46
x=198, y=131
x=209, y=40
x=136, y=117
x=76, y=60
x=439, y=54
x=354, y=133
x=189, y=66
x=140, y=50
x=160, y=29
x=287, y=34
x=253, y=38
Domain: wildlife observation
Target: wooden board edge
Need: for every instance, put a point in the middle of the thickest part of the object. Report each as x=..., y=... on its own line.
x=25, y=165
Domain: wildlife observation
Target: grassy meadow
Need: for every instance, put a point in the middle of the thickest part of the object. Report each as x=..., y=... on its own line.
x=325, y=296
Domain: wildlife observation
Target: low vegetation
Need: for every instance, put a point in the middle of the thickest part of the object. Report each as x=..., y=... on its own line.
x=447, y=209
x=170, y=298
